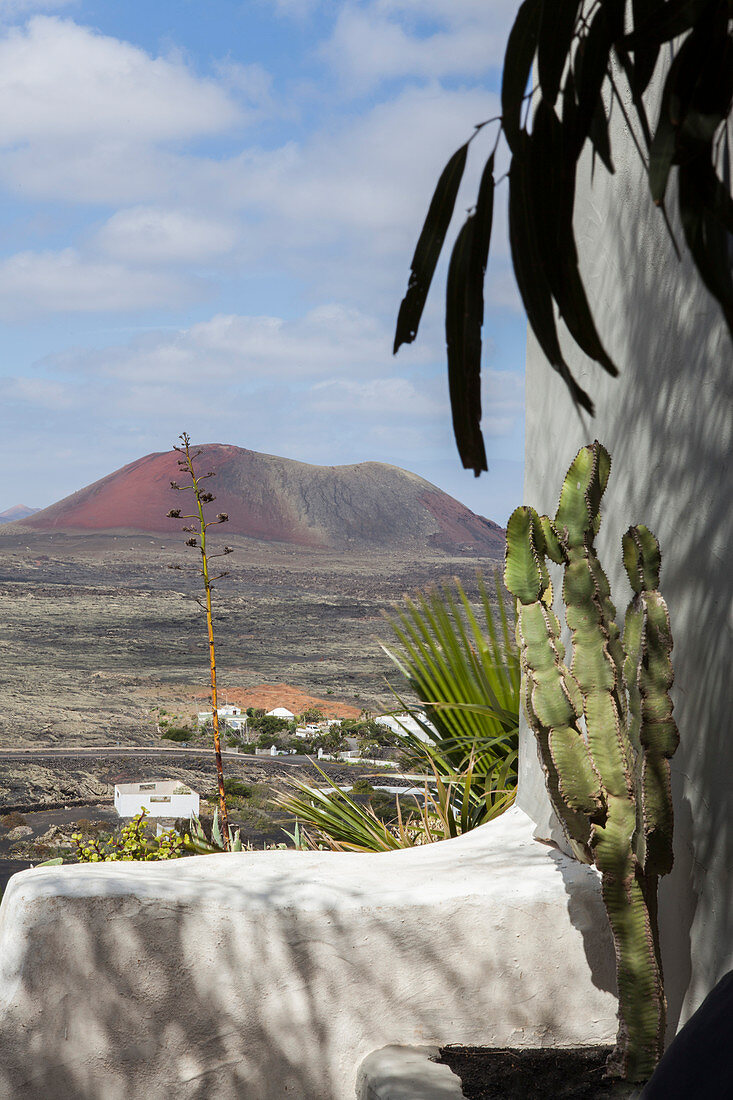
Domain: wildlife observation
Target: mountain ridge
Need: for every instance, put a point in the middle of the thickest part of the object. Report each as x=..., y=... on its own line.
x=17, y=513
x=273, y=499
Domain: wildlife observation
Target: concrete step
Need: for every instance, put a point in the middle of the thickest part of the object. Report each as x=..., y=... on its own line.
x=406, y=1073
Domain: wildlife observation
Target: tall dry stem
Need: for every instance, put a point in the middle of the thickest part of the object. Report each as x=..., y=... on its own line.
x=186, y=463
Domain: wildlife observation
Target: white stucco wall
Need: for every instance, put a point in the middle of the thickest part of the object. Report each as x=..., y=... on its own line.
x=273, y=974
x=668, y=423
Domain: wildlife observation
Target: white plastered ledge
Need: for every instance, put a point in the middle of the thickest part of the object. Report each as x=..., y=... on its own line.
x=272, y=975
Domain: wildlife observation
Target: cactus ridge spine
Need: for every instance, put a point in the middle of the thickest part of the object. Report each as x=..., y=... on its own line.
x=604, y=727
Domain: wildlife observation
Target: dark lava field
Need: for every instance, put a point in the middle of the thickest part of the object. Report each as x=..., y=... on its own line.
x=98, y=632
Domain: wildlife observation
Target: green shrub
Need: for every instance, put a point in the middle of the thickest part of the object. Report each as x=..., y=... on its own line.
x=238, y=787
x=269, y=725
x=177, y=733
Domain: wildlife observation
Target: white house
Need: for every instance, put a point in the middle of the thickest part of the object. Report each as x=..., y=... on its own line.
x=281, y=712
x=161, y=798
x=401, y=723
x=225, y=714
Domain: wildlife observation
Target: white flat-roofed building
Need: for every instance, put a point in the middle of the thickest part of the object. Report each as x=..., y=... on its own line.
x=401, y=723
x=160, y=797
x=225, y=713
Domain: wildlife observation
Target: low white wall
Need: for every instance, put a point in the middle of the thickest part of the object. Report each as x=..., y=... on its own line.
x=266, y=975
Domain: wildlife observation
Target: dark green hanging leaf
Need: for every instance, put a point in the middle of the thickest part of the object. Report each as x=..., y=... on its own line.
x=615, y=11
x=645, y=53
x=705, y=233
x=530, y=274
x=711, y=81
x=662, y=149
x=720, y=200
x=591, y=68
x=678, y=93
x=557, y=27
x=464, y=318
x=484, y=223
x=552, y=194
x=695, y=58
x=569, y=113
x=626, y=64
x=520, y=50
x=599, y=136
x=464, y=378
x=668, y=20
x=428, y=248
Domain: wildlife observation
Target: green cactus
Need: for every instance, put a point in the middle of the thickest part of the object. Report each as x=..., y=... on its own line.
x=604, y=728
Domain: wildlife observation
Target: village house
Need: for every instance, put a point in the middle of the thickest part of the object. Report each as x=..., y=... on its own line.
x=405, y=723
x=281, y=712
x=161, y=798
x=225, y=713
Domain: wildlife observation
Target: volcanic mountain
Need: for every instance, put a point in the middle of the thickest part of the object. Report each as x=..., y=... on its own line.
x=368, y=505
x=17, y=512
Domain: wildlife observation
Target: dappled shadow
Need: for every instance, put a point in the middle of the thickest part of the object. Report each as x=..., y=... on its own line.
x=269, y=975
x=668, y=423
x=584, y=909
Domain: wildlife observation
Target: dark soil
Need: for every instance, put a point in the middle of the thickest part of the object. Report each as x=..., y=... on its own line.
x=535, y=1074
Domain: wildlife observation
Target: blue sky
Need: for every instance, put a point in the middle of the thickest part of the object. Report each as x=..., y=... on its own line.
x=208, y=213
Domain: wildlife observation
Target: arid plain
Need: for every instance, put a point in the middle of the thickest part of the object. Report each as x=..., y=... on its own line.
x=98, y=632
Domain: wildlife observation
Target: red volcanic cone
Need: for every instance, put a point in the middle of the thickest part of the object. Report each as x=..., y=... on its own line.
x=366, y=505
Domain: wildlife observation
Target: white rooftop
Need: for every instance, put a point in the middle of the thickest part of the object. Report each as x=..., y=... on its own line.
x=160, y=786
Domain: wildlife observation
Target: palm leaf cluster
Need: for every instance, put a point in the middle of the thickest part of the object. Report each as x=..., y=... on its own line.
x=464, y=669
x=590, y=57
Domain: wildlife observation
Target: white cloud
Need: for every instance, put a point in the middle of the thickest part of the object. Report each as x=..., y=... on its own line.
x=39, y=393
x=62, y=82
x=251, y=351
x=377, y=41
x=55, y=282
x=87, y=117
x=372, y=176
x=380, y=396
x=253, y=82
x=502, y=400
x=161, y=235
x=451, y=12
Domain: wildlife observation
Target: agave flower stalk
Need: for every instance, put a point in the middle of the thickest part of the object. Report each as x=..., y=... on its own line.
x=198, y=539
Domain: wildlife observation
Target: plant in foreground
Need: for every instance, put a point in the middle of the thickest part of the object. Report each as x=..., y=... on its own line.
x=331, y=819
x=133, y=843
x=186, y=463
x=465, y=672
x=588, y=58
x=604, y=728
x=197, y=842
x=467, y=676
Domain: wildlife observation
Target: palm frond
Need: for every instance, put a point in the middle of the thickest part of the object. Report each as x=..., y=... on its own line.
x=465, y=671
